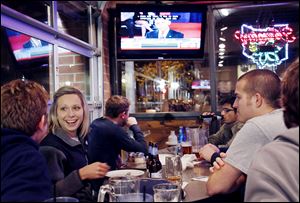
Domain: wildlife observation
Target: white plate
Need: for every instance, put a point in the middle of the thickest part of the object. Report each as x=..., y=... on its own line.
x=122, y=173
x=171, y=144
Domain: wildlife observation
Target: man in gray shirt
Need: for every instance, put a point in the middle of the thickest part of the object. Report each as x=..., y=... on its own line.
x=274, y=173
x=257, y=104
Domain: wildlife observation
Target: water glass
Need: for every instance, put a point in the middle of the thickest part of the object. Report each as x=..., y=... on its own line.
x=135, y=197
x=167, y=192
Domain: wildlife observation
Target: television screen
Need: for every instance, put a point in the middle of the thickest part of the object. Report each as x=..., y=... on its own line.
x=201, y=84
x=26, y=47
x=160, y=31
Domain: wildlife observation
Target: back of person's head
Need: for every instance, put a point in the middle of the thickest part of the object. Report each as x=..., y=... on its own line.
x=290, y=95
x=53, y=120
x=264, y=82
x=115, y=105
x=23, y=103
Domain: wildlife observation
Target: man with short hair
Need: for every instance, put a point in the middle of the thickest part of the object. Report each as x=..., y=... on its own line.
x=257, y=102
x=107, y=137
x=274, y=173
x=24, y=172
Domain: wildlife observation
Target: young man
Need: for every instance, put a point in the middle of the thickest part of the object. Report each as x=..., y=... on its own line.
x=230, y=127
x=24, y=172
x=223, y=138
x=257, y=104
x=274, y=173
x=107, y=136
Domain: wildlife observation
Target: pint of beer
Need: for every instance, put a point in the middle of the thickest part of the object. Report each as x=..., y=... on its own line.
x=186, y=147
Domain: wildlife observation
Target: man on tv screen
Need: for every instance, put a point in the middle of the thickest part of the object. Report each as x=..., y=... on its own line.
x=163, y=30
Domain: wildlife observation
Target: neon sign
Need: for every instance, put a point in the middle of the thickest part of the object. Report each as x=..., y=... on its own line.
x=267, y=46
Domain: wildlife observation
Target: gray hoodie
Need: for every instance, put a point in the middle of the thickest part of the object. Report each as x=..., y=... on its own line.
x=274, y=174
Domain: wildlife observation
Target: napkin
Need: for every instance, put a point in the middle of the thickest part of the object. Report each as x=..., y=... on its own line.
x=187, y=161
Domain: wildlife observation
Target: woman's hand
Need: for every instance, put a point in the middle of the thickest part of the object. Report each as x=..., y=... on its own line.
x=93, y=171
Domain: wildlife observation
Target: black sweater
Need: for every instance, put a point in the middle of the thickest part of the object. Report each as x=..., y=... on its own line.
x=106, y=140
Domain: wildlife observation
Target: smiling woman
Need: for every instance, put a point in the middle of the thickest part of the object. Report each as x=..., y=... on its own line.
x=65, y=146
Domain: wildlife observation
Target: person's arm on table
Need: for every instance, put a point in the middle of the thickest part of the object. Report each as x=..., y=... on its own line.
x=223, y=180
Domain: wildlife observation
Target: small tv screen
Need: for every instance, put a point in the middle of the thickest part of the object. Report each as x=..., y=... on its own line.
x=26, y=47
x=201, y=84
x=160, y=31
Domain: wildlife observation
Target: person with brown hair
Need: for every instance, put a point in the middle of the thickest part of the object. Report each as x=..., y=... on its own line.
x=24, y=173
x=258, y=106
x=65, y=146
x=107, y=136
x=274, y=173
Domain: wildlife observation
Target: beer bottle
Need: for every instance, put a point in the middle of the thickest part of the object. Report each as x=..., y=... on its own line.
x=149, y=155
x=155, y=167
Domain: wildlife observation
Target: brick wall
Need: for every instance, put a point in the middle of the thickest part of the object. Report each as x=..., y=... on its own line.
x=105, y=50
x=73, y=69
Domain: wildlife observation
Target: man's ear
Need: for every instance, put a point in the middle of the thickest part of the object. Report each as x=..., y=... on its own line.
x=42, y=122
x=121, y=115
x=41, y=129
x=258, y=99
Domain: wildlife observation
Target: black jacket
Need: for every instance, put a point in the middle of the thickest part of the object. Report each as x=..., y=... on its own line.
x=24, y=173
x=65, y=157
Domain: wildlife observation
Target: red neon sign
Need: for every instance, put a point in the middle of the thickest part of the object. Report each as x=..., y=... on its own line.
x=267, y=46
x=266, y=35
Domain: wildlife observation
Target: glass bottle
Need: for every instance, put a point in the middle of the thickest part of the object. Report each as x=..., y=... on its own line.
x=155, y=167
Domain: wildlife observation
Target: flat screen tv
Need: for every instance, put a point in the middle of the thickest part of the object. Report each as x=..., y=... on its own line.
x=160, y=31
x=26, y=47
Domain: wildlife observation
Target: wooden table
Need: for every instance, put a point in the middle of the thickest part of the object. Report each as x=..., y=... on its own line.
x=195, y=189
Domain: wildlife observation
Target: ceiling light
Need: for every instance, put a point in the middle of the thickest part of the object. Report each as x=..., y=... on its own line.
x=224, y=12
x=221, y=53
x=222, y=50
x=221, y=57
x=223, y=28
x=220, y=65
x=222, y=39
x=222, y=46
x=221, y=61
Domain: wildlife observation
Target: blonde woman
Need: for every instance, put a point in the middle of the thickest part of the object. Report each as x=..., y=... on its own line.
x=65, y=146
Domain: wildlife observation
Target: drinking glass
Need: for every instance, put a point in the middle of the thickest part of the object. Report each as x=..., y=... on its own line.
x=118, y=186
x=135, y=197
x=166, y=192
x=173, y=169
x=198, y=138
x=62, y=199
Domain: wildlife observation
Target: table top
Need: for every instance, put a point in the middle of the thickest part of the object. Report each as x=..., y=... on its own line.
x=194, y=179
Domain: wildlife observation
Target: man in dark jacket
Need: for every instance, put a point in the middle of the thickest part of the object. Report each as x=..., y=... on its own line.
x=107, y=136
x=24, y=173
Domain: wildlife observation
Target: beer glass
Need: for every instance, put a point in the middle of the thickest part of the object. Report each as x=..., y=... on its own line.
x=173, y=169
x=198, y=138
x=186, y=144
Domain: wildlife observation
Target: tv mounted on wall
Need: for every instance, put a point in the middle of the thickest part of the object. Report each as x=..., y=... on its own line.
x=138, y=35
x=26, y=47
